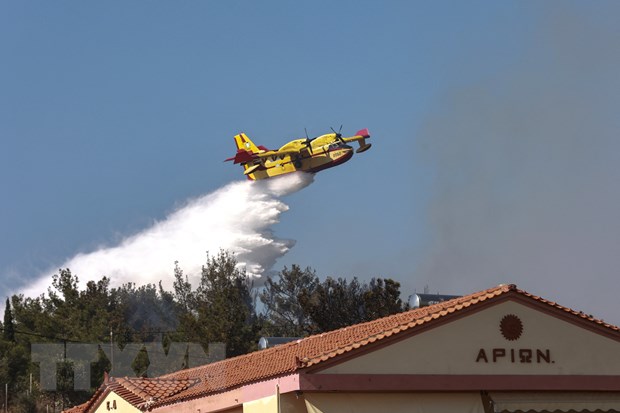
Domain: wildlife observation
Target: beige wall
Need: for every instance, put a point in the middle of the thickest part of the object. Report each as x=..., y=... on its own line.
x=115, y=403
x=393, y=402
x=454, y=347
x=289, y=403
x=264, y=405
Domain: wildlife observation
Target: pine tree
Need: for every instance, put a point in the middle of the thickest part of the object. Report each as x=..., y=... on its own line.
x=225, y=306
x=382, y=298
x=9, y=323
x=337, y=303
x=285, y=315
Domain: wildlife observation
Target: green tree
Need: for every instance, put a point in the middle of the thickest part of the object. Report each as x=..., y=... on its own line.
x=222, y=308
x=224, y=305
x=337, y=303
x=382, y=298
x=285, y=317
x=147, y=312
x=14, y=358
x=8, y=332
x=185, y=306
x=183, y=294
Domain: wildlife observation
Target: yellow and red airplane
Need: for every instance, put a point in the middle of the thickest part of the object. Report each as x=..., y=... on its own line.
x=307, y=155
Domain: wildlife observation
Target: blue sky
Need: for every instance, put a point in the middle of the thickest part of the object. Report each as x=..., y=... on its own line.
x=492, y=124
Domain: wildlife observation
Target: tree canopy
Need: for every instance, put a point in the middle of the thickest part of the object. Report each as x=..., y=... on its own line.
x=226, y=310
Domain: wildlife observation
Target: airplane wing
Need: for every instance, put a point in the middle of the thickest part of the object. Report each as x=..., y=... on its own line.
x=244, y=156
x=278, y=154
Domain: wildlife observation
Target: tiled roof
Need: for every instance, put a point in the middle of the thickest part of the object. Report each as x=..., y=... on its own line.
x=310, y=351
x=298, y=355
x=140, y=392
x=143, y=392
x=76, y=409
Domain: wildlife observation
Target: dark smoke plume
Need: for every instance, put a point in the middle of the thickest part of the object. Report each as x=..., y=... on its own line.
x=527, y=189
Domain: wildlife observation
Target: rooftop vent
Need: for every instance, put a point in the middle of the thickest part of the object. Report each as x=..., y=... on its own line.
x=266, y=342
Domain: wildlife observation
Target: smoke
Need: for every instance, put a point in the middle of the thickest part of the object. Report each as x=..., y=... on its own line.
x=237, y=218
x=526, y=186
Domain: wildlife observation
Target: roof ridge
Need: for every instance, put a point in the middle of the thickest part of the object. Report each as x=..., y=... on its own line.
x=569, y=310
x=501, y=288
x=424, y=311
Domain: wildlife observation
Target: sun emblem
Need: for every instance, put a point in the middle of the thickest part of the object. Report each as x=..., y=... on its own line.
x=511, y=327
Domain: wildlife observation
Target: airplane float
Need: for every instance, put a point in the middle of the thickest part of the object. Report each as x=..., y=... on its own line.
x=307, y=155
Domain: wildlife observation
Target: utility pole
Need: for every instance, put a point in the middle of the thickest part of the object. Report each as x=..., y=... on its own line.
x=111, y=350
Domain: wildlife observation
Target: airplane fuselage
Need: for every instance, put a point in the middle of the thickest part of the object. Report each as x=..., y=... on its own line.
x=322, y=156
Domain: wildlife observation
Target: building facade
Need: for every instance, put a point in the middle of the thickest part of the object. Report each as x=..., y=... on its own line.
x=498, y=350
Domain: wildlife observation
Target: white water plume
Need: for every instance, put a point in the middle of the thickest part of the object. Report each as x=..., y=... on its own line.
x=237, y=217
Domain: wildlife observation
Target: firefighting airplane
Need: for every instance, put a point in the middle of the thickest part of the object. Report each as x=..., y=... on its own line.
x=307, y=155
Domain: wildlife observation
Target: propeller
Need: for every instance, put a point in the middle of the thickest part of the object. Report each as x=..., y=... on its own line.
x=338, y=134
x=308, y=146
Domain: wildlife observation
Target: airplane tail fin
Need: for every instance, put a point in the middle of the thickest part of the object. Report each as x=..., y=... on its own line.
x=246, y=149
x=363, y=132
x=360, y=136
x=245, y=143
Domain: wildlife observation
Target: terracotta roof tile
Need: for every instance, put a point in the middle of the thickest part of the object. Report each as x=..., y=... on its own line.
x=76, y=409
x=310, y=351
x=140, y=392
